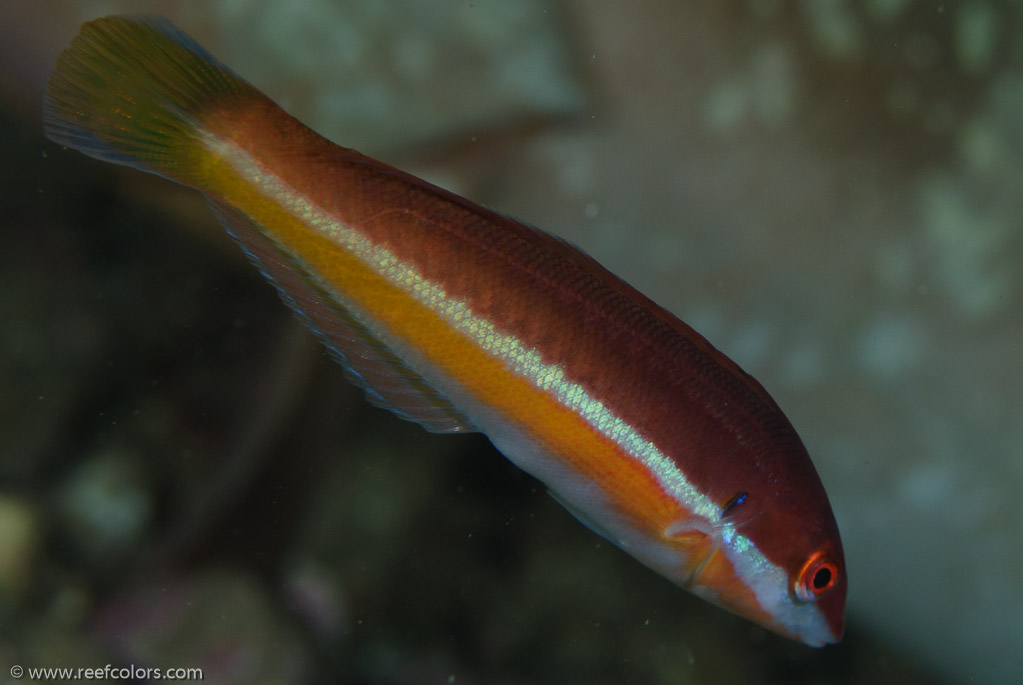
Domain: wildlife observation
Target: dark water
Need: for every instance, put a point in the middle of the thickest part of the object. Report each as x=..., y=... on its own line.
x=831, y=195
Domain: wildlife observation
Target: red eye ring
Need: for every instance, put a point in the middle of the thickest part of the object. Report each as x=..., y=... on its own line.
x=817, y=578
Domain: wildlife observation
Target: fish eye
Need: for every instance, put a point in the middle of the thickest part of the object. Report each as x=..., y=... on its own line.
x=817, y=578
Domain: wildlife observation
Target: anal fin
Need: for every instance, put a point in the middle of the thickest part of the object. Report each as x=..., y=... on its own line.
x=369, y=362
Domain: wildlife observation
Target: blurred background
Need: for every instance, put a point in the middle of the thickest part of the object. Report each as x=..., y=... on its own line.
x=829, y=190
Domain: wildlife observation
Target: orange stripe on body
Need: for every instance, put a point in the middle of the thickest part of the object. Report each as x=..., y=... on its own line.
x=566, y=435
x=629, y=486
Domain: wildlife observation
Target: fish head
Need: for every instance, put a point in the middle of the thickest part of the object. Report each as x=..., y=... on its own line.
x=773, y=557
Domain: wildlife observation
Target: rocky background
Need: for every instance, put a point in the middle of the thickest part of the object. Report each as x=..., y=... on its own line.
x=829, y=190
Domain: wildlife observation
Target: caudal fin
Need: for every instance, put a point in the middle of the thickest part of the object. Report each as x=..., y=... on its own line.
x=133, y=90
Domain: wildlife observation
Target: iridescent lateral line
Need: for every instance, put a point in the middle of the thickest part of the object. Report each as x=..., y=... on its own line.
x=760, y=574
x=523, y=361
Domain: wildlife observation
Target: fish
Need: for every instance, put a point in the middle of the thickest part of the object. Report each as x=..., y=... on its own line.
x=461, y=319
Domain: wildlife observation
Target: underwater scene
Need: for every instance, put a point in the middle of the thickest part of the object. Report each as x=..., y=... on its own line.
x=192, y=488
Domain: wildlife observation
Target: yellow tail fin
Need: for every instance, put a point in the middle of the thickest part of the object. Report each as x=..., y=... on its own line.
x=133, y=90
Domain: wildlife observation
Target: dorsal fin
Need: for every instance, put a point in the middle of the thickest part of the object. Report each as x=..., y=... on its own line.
x=388, y=381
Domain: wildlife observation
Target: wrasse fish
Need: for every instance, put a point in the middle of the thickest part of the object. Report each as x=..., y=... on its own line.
x=462, y=319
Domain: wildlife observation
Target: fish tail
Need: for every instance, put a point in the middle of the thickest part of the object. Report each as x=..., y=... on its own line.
x=134, y=91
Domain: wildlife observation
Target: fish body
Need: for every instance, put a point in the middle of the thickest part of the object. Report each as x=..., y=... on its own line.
x=462, y=319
